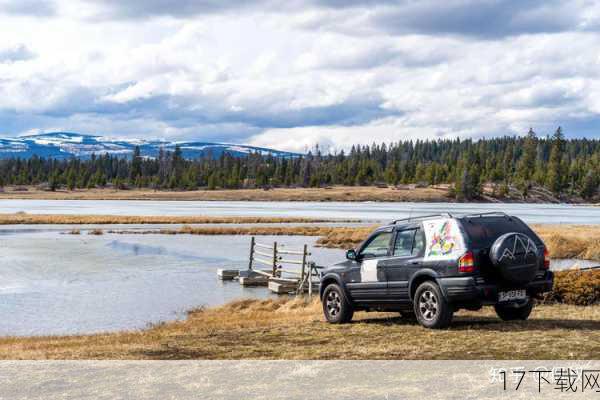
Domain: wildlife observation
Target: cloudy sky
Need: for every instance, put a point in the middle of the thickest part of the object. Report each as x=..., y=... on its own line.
x=289, y=74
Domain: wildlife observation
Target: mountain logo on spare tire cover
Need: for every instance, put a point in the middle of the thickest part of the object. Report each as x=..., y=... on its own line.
x=521, y=244
x=515, y=257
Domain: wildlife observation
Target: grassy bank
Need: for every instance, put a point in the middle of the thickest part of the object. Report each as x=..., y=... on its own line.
x=291, y=329
x=236, y=230
x=336, y=193
x=571, y=241
x=63, y=219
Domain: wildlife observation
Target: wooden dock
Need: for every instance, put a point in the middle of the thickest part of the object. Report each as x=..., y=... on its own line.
x=281, y=277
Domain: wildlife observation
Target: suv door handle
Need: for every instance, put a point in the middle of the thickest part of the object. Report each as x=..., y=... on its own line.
x=415, y=262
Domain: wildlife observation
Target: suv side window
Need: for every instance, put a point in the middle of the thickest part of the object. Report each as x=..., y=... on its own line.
x=404, y=243
x=419, y=243
x=378, y=246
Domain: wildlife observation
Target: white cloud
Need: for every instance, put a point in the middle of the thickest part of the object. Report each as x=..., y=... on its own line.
x=289, y=75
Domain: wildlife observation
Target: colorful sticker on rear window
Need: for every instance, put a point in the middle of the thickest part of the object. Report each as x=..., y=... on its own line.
x=444, y=239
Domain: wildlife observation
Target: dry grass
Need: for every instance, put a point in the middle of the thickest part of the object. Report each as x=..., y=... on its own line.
x=235, y=230
x=22, y=218
x=336, y=193
x=575, y=287
x=344, y=238
x=571, y=241
x=292, y=329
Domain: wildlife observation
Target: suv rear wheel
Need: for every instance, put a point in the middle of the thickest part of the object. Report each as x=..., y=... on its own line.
x=336, y=308
x=508, y=313
x=431, y=308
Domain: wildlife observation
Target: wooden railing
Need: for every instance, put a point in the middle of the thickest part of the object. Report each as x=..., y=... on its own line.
x=279, y=260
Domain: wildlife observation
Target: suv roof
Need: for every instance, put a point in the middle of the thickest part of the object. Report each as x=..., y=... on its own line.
x=448, y=215
x=480, y=228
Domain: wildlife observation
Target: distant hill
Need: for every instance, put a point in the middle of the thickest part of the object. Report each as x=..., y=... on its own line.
x=61, y=145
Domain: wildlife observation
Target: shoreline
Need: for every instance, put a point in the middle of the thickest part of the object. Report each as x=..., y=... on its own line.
x=350, y=194
x=295, y=329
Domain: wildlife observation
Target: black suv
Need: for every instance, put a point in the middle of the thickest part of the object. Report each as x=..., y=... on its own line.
x=428, y=267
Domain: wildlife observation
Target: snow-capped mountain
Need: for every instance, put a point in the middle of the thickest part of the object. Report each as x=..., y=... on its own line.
x=61, y=145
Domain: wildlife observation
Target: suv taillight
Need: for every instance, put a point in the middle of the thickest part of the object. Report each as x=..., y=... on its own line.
x=466, y=263
x=546, y=259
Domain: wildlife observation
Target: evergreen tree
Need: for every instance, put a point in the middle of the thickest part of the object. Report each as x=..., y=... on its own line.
x=71, y=179
x=136, y=165
x=212, y=181
x=555, y=176
x=590, y=185
x=526, y=166
x=54, y=181
x=177, y=165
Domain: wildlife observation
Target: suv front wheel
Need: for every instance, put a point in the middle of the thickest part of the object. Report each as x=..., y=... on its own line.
x=336, y=308
x=431, y=308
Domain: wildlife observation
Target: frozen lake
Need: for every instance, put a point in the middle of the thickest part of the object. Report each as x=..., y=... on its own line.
x=52, y=283
x=532, y=213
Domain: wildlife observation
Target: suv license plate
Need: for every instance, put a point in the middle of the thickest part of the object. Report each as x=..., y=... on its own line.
x=510, y=295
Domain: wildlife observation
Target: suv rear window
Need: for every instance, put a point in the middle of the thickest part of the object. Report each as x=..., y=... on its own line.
x=483, y=231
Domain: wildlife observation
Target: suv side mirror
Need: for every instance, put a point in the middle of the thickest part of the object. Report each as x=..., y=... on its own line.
x=351, y=254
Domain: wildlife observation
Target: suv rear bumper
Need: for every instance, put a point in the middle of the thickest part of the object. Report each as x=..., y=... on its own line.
x=467, y=289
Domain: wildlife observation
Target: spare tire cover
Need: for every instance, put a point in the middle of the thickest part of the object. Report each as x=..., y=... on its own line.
x=516, y=257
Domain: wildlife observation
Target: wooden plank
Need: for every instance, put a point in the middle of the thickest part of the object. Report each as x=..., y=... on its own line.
x=260, y=260
x=257, y=280
x=263, y=254
x=227, y=274
x=292, y=252
x=281, y=287
x=299, y=262
x=264, y=273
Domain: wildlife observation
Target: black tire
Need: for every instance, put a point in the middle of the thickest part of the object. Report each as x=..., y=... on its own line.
x=336, y=307
x=508, y=313
x=431, y=308
x=516, y=257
